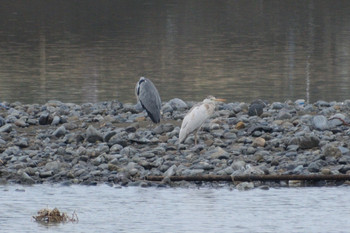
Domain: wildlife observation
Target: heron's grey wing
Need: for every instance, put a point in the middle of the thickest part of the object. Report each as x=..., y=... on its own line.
x=150, y=100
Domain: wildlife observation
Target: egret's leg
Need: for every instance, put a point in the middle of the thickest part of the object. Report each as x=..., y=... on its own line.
x=195, y=137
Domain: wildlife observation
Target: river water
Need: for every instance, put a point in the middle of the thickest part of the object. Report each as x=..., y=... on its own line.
x=91, y=51
x=133, y=209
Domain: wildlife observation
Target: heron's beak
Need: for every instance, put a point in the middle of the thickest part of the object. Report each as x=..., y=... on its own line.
x=220, y=100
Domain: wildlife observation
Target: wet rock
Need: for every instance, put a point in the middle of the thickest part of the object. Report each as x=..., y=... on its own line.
x=2, y=121
x=129, y=151
x=22, y=142
x=240, y=125
x=336, y=120
x=218, y=153
x=244, y=186
x=166, y=108
x=120, y=152
x=178, y=104
x=343, y=150
x=56, y=120
x=322, y=103
x=332, y=151
x=119, y=138
x=277, y=105
x=20, y=123
x=264, y=128
x=26, y=179
x=314, y=167
x=284, y=115
x=60, y=131
x=171, y=171
x=309, y=141
x=45, y=174
x=164, y=128
x=319, y=122
x=259, y=142
x=344, y=169
x=93, y=135
x=109, y=135
x=53, y=166
x=44, y=118
x=256, y=108
x=6, y=128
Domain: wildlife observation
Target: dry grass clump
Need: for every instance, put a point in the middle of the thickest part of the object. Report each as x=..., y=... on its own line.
x=54, y=216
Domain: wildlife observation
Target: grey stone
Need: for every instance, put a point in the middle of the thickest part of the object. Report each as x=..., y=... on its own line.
x=284, y=115
x=177, y=104
x=245, y=186
x=314, y=167
x=119, y=138
x=256, y=109
x=164, y=128
x=344, y=169
x=109, y=135
x=22, y=142
x=93, y=135
x=20, y=123
x=332, y=151
x=45, y=174
x=218, y=153
x=128, y=151
x=167, y=108
x=6, y=128
x=44, y=118
x=60, y=131
x=56, y=120
x=322, y=103
x=171, y=171
x=238, y=165
x=277, y=105
x=309, y=141
x=2, y=121
x=343, y=150
x=26, y=179
x=53, y=166
x=320, y=122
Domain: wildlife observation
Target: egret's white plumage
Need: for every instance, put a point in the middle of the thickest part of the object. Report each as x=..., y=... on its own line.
x=197, y=115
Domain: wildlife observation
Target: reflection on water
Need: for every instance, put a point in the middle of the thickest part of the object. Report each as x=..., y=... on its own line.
x=90, y=51
x=108, y=209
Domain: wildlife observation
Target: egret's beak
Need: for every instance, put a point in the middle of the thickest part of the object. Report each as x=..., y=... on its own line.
x=220, y=100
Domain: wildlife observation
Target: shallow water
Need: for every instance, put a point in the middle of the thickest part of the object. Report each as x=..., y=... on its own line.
x=108, y=209
x=91, y=51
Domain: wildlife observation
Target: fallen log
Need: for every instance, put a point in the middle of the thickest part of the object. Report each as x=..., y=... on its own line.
x=248, y=178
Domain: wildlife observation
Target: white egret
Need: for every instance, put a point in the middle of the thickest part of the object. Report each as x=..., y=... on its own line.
x=197, y=115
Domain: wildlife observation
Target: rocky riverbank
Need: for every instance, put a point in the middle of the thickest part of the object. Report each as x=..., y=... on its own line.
x=114, y=143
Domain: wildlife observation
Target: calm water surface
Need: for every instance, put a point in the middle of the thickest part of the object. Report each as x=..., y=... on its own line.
x=109, y=209
x=91, y=51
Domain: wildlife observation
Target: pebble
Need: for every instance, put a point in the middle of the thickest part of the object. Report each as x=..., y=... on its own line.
x=93, y=135
x=256, y=108
x=259, y=142
x=114, y=143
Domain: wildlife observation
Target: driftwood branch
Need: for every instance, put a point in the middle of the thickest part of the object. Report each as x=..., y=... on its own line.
x=212, y=178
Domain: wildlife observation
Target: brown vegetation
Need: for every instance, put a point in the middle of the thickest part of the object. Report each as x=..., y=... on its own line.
x=54, y=216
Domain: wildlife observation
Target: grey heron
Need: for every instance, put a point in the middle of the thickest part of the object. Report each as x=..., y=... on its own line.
x=197, y=115
x=149, y=98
